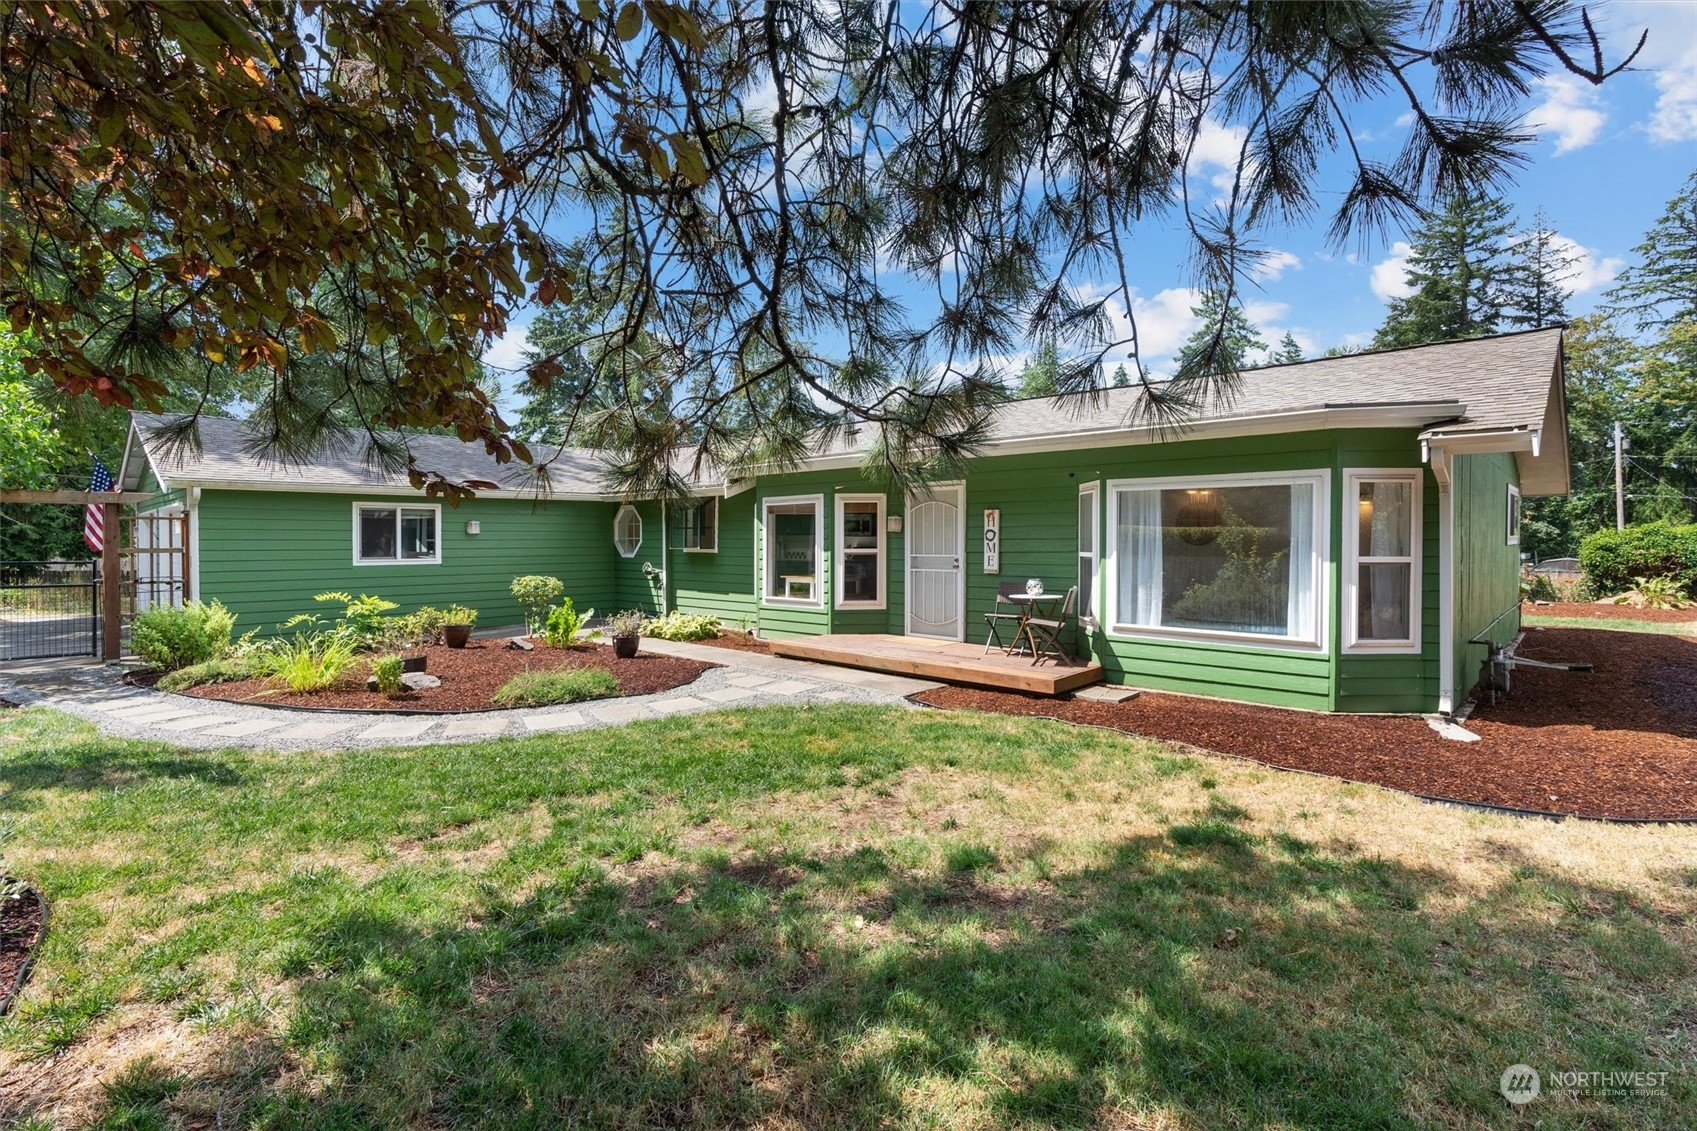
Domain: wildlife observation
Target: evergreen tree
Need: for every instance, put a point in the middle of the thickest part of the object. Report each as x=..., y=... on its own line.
x=1534, y=286
x=1455, y=269
x=1287, y=353
x=1041, y=376
x=1661, y=288
x=1223, y=341
x=1121, y=379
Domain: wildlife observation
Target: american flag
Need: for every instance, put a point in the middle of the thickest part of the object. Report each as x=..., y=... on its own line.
x=94, y=519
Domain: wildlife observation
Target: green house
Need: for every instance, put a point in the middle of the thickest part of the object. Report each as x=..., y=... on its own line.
x=1338, y=535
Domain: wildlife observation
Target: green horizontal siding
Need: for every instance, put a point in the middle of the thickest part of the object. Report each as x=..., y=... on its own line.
x=720, y=583
x=634, y=589
x=266, y=553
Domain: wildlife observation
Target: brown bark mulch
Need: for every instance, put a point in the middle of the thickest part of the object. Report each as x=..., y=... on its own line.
x=470, y=677
x=1619, y=742
x=22, y=921
x=1609, y=611
x=737, y=641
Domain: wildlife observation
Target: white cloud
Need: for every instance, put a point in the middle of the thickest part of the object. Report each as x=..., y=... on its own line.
x=1263, y=313
x=1588, y=271
x=506, y=353
x=1390, y=276
x=1669, y=55
x=1570, y=111
x=1271, y=266
x=1215, y=155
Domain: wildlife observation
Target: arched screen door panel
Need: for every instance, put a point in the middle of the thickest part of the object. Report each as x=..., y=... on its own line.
x=935, y=537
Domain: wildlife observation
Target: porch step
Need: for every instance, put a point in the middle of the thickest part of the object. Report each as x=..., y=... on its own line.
x=942, y=660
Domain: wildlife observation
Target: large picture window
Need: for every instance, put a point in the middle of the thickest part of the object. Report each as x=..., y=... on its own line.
x=860, y=551
x=1382, y=570
x=1232, y=557
x=793, y=551
x=387, y=534
x=701, y=527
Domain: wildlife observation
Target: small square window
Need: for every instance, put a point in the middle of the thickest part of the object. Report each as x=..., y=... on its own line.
x=396, y=534
x=701, y=526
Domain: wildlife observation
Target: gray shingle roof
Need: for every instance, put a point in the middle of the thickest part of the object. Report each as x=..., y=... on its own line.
x=227, y=457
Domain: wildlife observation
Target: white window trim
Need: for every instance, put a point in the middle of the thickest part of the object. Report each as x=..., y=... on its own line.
x=641, y=531
x=1094, y=489
x=1512, y=520
x=397, y=506
x=1353, y=477
x=881, y=552
x=817, y=601
x=712, y=500
x=1320, y=478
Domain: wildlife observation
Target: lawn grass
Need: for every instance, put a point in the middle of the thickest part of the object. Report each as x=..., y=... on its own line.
x=1670, y=628
x=805, y=917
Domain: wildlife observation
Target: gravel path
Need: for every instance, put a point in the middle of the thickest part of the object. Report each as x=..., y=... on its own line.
x=746, y=679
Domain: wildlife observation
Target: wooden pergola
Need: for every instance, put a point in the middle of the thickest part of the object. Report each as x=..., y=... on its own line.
x=111, y=569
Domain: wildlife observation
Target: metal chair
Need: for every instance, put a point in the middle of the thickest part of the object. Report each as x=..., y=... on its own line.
x=995, y=617
x=1050, y=631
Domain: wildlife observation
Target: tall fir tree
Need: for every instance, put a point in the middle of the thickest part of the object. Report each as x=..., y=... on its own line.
x=1660, y=289
x=1041, y=376
x=1223, y=341
x=1121, y=379
x=1288, y=351
x=1455, y=271
x=1535, y=286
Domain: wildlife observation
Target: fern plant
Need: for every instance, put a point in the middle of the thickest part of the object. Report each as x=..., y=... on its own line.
x=564, y=624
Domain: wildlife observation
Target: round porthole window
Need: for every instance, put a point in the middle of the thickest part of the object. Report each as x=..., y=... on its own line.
x=627, y=531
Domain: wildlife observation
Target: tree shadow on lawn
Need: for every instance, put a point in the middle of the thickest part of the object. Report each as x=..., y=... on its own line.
x=1225, y=978
x=98, y=763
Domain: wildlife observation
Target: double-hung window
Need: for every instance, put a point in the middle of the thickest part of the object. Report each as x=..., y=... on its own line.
x=701, y=527
x=1382, y=566
x=860, y=551
x=1087, y=553
x=389, y=534
x=1222, y=557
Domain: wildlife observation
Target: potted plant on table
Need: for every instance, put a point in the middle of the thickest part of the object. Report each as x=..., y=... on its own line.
x=625, y=630
x=457, y=623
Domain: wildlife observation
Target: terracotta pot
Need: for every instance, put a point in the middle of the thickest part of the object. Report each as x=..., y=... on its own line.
x=456, y=635
x=414, y=663
x=624, y=647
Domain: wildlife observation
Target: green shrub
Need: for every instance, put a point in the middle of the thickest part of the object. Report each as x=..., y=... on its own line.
x=172, y=638
x=535, y=592
x=1654, y=593
x=1612, y=558
x=387, y=671
x=564, y=623
x=538, y=689
x=423, y=626
x=365, y=621
x=459, y=614
x=227, y=670
x=311, y=661
x=1538, y=587
x=682, y=626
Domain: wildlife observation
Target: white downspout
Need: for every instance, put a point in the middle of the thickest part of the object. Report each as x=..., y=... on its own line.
x=192, y=498
x=1440, y=460
x=665, y=563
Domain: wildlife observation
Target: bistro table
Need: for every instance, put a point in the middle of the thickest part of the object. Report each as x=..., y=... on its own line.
x=1034, y=603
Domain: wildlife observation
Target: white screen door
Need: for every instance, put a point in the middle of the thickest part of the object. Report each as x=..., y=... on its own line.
x=934, y=576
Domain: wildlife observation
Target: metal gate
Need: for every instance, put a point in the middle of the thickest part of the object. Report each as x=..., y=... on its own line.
x=53, y=609
x=49, y=609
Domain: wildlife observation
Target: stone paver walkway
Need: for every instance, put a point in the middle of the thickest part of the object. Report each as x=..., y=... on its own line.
x=744, y=679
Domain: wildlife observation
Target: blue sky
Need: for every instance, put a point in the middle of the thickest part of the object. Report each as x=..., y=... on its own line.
x=1604, y=165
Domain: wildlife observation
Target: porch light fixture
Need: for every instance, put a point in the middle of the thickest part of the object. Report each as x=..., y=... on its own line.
x=1198, y=517
x=474, y=527
x=893, y=524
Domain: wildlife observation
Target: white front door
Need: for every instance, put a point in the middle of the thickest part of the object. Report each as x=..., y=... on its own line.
x=936, y=581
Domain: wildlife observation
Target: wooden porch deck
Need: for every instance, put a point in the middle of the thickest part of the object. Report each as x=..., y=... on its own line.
x=940, y=660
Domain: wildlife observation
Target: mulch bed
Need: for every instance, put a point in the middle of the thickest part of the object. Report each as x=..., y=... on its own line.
x=1609, y=612
x=470, y=677
x=1619, y=742
x=22, y=922
x=738, y=642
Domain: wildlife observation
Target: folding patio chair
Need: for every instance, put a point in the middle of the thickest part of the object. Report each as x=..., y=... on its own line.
x=1045, y=634
x=996, y=617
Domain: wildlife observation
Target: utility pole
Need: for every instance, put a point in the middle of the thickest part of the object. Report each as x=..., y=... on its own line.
x=1620, y=479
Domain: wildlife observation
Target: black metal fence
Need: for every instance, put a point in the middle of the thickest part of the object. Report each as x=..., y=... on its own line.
x=49, y=609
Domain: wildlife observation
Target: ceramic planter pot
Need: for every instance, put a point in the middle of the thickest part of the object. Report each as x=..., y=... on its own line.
x=456, y=635
x=414, y=663
x=624, y=647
